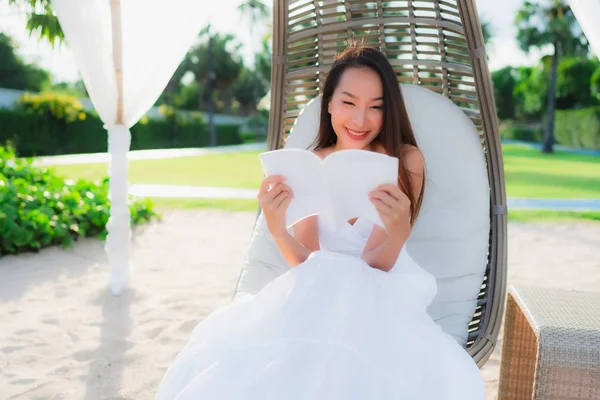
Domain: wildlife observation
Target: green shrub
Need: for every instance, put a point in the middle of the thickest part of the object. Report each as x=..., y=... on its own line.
x=228, y=134
x=508, y=130
x=61, y=106
x=39, y=208
x=259, y=124
x=578, y=128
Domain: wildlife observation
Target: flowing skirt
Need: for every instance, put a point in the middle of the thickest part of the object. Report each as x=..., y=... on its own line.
x=331, y=328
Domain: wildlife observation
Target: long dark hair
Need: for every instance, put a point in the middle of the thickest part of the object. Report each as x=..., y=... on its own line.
x=396, y=129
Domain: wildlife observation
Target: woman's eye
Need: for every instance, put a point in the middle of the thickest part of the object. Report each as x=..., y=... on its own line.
x=349, y=103
x=378, y=107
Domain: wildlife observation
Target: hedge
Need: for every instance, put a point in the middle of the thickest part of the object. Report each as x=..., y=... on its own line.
x=578, y=128
x=32, y=134
x=521, y=132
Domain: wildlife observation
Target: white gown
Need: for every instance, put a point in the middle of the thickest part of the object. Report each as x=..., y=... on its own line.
x=331, y=328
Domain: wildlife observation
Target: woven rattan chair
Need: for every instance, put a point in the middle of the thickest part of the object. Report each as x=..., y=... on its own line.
x=436, y=44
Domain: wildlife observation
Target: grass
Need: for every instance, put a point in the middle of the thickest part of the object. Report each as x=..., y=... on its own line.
x=529, y=173
x=217, y=204
x=237, y=170
x=552, y=216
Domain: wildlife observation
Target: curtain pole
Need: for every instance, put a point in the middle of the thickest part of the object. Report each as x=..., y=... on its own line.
x=117, y=40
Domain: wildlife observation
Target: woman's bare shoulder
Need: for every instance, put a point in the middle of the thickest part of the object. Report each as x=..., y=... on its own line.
x=414, y=158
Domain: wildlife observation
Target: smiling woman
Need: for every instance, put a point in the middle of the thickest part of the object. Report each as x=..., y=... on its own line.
x=359, y=115
x=364, y=111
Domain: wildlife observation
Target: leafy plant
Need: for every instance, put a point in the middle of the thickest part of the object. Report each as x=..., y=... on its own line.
x=61, y=106
x=39, y=208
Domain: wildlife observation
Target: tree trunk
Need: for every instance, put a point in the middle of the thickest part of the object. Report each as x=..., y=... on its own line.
x=201, y=95
x=210, y=87
x=549, y=131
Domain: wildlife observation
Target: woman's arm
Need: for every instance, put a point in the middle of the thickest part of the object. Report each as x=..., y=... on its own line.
x=382, y=249
x=296, y=249
x=274, y=198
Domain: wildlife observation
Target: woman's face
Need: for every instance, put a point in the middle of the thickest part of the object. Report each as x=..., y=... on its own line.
x=356, y=108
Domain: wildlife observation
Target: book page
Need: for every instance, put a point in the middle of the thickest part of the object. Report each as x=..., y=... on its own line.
x=303, y=173
x=352, y=175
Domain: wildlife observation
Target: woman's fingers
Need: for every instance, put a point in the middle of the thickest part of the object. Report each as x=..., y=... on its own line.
x=393, y=191
x=383, y=208
x=390, y=208
x=273, y=188
x=285, y=201
x=280, y=197
x=384, y=197
x=265, y=186
x=277, y=190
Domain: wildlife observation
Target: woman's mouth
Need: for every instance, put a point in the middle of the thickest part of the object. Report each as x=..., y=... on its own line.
x=356, y=135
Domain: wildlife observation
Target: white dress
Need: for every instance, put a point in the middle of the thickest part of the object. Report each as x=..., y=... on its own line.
x=331, y=328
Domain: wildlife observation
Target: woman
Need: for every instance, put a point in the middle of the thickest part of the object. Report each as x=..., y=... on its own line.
x=349, y=321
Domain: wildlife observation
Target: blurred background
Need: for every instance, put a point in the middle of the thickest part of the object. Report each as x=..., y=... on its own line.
x=219, y=97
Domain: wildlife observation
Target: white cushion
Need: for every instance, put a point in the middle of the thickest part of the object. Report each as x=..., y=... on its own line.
x=450, y=237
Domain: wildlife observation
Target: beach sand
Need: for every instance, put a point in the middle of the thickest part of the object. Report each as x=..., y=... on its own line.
x=64, y=336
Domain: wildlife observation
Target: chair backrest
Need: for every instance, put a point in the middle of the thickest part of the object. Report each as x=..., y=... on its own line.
x=436, y=44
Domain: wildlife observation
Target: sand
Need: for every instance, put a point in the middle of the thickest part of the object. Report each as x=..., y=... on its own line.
x=64, y=336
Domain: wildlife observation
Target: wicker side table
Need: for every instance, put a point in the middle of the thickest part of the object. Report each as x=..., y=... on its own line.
x=551, y=345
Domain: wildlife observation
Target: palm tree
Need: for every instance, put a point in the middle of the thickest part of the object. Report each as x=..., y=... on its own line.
x=41, y=19
x=550, y=24
x=486, y=30
x=256, y=12
x=212, y=62
x=215, y=57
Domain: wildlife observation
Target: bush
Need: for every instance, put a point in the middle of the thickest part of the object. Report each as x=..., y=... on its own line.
x=61, y=106
x=259, y=124
x=33, y=135
x=527, y=133
x=228, y=134
x=48, y=126
x=578, y=128
x=39, y=208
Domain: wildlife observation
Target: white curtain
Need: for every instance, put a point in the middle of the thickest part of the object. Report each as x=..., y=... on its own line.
x=587, y=13
x=156, y=34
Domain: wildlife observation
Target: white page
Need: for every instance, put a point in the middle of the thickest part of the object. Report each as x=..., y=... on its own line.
x=304, y=175
x=352, y=175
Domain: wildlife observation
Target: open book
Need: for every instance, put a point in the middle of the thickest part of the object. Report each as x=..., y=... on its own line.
x=336, y=188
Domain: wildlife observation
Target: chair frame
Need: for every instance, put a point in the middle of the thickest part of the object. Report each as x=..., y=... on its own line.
x=437, y=44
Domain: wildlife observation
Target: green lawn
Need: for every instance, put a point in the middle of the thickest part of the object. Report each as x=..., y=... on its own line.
x=236, y=170
x=528, y=174
x=220, y=204
x=552, y=216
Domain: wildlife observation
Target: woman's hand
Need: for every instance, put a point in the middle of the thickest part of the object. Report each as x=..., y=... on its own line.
x=393, y=207
x=274, y=197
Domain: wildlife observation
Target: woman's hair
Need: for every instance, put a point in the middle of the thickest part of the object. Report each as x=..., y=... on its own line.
x=396, y=129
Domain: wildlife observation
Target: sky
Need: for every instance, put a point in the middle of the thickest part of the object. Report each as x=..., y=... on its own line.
x=503, y=49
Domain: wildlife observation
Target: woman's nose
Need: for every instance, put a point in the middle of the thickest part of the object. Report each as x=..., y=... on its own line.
x=359, y=117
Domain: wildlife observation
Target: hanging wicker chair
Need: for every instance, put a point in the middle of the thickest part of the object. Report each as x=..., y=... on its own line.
x=432, y=44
